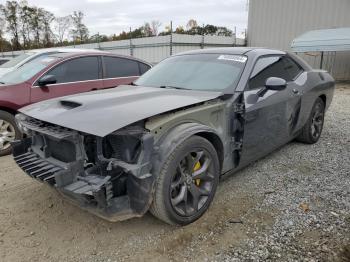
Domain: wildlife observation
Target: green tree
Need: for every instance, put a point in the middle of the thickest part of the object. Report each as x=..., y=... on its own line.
x=223, y=31
x=180, y=30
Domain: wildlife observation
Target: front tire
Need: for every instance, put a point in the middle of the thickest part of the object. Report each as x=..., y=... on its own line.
x=187, y=182
x=312, y=130
x=8, y=132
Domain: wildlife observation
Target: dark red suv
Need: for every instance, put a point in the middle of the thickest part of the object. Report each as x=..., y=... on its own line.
x=59, y=75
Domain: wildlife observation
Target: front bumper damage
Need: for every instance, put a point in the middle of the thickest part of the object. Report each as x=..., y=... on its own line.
x=109, y=186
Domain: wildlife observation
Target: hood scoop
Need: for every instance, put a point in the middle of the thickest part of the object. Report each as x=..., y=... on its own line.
x=69, y=104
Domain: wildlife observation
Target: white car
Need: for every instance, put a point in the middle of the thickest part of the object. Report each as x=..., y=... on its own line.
x=26, y=57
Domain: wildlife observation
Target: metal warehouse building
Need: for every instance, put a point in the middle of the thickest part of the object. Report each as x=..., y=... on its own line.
x=275, y=23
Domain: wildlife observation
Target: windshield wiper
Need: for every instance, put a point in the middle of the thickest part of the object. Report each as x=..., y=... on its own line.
x=174, y=87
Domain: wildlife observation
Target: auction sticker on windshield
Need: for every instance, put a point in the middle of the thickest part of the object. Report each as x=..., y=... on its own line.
x=236, y=58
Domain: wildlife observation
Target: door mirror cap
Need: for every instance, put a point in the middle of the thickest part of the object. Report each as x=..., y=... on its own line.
x=47, y=80
x=275, y=83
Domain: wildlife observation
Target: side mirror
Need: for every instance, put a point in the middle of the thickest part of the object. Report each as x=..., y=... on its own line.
x=275, y=83
x=47, y=80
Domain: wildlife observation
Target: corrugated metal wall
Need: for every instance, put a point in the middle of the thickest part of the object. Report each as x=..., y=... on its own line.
x=155, y=49
x=275, y=23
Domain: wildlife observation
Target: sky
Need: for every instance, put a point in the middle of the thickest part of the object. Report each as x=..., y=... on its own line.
x=114, y=16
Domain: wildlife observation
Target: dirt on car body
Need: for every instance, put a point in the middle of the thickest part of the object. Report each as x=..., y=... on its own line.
x=256, y=214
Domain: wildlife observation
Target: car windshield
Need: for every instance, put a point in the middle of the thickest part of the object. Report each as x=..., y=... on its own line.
x=210, y=72
x=27, y=71
x=14, y=61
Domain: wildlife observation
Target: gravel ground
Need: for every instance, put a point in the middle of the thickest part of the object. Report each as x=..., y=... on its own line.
x=307, y=190
x=293, y=205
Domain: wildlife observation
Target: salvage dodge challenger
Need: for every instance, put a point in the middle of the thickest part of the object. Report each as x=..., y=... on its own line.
x=162, y=143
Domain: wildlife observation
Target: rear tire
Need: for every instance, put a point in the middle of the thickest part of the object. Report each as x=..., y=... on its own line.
x=8, y=132
x=312, y=130
x=187, y=182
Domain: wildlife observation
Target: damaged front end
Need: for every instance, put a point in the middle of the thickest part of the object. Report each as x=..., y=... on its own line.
x=110, y=176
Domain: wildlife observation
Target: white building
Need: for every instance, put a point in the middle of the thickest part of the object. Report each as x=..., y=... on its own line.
x=275, y=23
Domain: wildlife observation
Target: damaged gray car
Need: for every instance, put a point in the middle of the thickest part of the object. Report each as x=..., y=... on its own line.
x=162, y=143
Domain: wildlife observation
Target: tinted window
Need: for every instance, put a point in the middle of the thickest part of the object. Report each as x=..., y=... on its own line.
x=119, y=67
x=79, y=69
x=143, y=68
x=292, y=67
x=271, y=66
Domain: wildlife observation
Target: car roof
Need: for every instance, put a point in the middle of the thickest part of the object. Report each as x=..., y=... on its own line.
x=62, y=50
x=62, y=56
x=235, y=51
x=73, y=54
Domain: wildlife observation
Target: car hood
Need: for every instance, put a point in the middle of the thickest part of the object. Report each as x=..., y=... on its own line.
x=103, y=112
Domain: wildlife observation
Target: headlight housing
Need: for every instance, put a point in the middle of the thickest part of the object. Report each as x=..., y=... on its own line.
x=19, y=119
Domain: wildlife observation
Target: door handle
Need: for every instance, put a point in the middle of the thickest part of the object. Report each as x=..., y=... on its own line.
x=295, y=91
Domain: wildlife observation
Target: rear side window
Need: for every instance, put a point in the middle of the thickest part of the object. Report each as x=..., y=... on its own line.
x=273, y=66
x=79, y=69
x=120, y=67
x=143, y=68
x=292, y=67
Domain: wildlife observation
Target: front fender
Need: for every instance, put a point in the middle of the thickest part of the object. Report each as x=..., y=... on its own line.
x=170, y=140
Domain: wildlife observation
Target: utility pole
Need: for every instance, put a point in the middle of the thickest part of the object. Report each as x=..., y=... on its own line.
x=131, y=49
x=98, y=41
x=171, y=38
x=321, y=60
x=202, y=43
x=235, y=39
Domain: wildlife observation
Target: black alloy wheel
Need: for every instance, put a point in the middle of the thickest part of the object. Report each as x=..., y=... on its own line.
x=187, y=182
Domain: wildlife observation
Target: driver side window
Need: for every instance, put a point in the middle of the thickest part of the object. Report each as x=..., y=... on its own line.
x=77, y=69
x=269, y=66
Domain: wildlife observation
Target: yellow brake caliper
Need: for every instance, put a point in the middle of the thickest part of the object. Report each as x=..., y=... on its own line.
x=197, y=166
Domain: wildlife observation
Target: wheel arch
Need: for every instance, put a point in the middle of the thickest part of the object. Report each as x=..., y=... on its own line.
x=216, y=141
x=324, y=99
x=180, y=133
x=8, y=110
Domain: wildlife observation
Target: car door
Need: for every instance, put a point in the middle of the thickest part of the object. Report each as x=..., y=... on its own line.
x=119, y=71
x=271, y=118
x=72, y=76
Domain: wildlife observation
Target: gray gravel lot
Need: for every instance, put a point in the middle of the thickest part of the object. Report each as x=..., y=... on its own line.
x=293, y=205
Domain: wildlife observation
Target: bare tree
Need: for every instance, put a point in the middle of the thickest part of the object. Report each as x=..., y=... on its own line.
x=147, y=30
x=155, y=24
x=36, y=25
x=62, y=26
x=10, y=11
x=46, y=20
x=80, y=31
x=25, y=15
x=191, y=24
x=2, y=26
x=2, y=31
